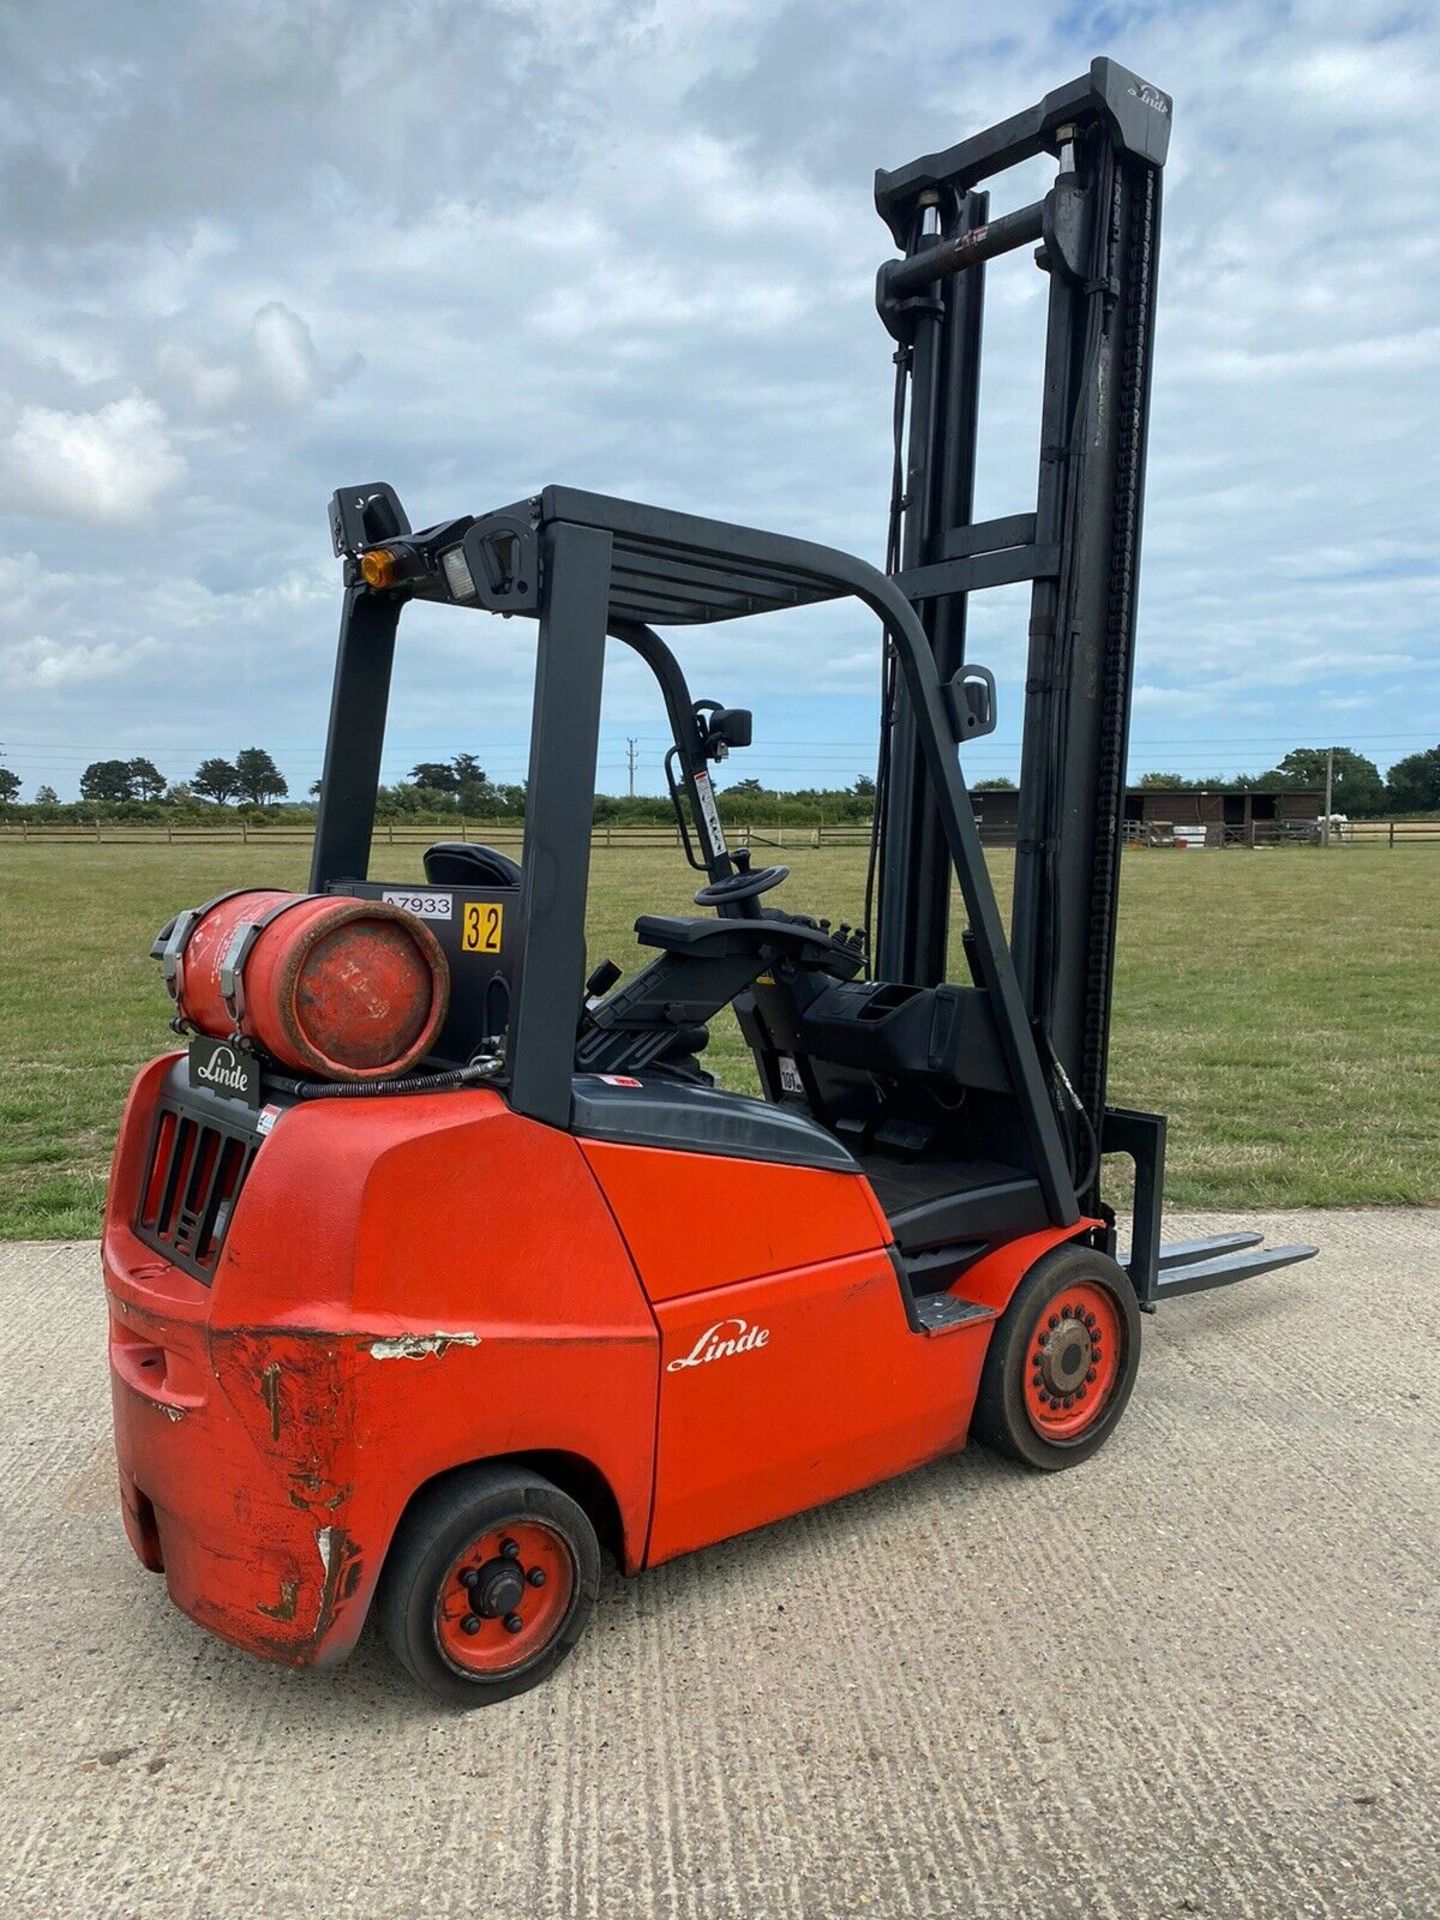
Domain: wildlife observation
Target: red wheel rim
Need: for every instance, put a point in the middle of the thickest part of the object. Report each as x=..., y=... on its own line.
x=504, y=1598
x=1073, y=1361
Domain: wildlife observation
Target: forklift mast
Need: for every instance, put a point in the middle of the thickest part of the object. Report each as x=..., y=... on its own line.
x=977, y=1109
x=1096, y=235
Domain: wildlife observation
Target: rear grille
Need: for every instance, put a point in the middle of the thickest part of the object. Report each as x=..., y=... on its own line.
x=193, y=1178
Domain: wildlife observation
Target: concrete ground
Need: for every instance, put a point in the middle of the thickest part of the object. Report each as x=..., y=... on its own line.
x=1199, y=1676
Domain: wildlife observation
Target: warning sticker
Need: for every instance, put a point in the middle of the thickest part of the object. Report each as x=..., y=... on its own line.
x=706, y=796
x=482, y=923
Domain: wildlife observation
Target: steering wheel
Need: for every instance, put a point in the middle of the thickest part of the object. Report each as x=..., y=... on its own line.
x=743, y=885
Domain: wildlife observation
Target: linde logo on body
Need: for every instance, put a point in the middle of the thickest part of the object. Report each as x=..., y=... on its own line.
x=225, y=1070
x=719, y=1342
x=1151, y=97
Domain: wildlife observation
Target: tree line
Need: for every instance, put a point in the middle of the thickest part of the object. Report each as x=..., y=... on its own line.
x=137, y=789
x=252, y=776
x=1358, y=788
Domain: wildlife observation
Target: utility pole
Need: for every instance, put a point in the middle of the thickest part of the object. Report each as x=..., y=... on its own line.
x=1329, y=794
x=632, y=754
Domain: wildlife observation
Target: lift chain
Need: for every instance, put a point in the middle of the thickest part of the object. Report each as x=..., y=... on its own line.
x=1133, y=221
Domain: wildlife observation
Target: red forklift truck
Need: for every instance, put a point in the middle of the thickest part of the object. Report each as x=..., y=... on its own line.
x=434, y=1268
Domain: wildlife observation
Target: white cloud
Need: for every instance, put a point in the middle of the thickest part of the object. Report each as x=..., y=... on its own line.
x=266, y=249
x=46, y=663
x=1357, y=82
x=109, y=466
x=209, y=385
x=285, y=356
x=274, y=366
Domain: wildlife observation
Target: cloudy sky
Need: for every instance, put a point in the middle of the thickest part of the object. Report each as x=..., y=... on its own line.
x=256, y=249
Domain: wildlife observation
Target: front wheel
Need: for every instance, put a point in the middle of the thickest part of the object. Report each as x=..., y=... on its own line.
x=489, y=1584
x=1062, y=1361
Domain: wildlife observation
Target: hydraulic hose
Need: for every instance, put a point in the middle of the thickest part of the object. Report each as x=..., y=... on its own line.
x=471, y=1076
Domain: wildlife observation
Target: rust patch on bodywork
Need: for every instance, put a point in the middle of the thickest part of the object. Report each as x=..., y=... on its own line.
x=312, y=1492
x=285, y=1609
x=270, y=1394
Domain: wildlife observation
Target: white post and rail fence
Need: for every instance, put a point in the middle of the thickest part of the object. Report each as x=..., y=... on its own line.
x=792, y=838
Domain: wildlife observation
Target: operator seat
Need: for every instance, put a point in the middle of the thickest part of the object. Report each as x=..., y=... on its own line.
x=460, y=863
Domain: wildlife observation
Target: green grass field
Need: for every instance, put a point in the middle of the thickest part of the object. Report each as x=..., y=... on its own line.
x=1283, y=1008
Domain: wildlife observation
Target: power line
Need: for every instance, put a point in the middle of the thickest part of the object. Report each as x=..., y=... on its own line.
x=822, y=757
x=826, y=744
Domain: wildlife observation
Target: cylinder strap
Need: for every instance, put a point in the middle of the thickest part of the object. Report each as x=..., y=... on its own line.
x=174, y=937
x=232, y=967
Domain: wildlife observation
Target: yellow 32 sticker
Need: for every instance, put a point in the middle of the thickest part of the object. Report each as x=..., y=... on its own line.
x=481, y=926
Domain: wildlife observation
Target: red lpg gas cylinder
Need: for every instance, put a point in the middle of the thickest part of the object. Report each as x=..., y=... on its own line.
x=334, y=988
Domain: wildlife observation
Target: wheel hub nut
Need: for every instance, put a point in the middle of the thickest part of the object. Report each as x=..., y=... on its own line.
x=1066, y=1355
x=497, y=1588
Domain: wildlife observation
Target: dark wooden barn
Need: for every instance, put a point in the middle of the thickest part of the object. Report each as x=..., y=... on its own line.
x=1228, y=816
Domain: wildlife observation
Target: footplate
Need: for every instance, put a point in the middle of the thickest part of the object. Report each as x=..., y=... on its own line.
x=939, y=1312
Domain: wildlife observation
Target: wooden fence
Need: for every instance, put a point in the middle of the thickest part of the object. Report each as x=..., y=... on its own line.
x=119, y=833
x=1389, y=833
x=1285, y=833
x=792, y=839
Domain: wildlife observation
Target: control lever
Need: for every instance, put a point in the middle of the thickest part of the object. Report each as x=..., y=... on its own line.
x=605, y=976
x=602, y=979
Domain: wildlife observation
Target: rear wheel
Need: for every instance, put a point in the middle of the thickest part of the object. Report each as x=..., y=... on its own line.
x=489, y=1584
x=1062, y=1361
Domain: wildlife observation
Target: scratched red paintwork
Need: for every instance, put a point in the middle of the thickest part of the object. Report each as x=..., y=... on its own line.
x=267, y=1450
x=270, y=1422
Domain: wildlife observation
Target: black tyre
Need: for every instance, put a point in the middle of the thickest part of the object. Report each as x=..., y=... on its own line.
x=1062, y=1361
x=489, y=1583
